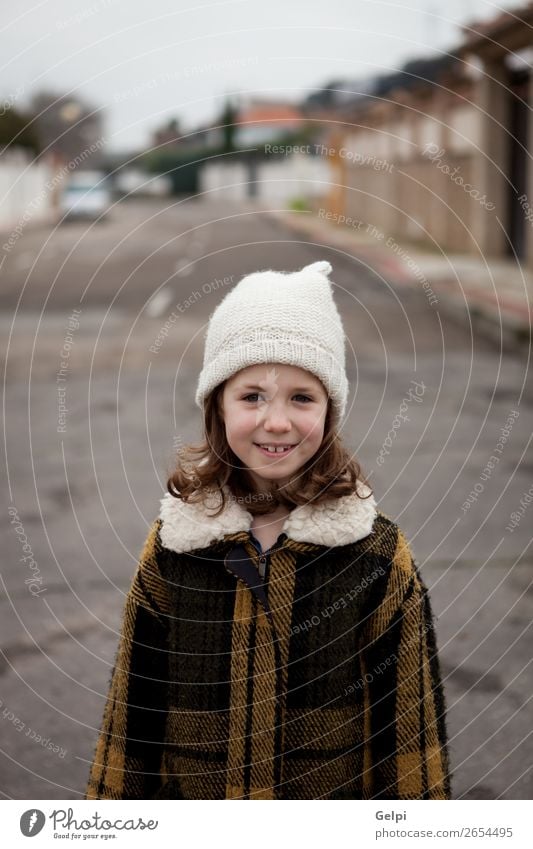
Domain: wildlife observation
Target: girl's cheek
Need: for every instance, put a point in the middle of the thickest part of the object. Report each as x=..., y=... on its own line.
x=247, y=420
x=240, y=417
x=311, y=425
x=244, y=428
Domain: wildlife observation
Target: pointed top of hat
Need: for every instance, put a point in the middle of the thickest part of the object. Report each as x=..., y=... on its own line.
x=322, y=267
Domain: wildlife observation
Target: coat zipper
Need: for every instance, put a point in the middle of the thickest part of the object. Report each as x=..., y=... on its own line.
x=262, y=558
x=262, y=565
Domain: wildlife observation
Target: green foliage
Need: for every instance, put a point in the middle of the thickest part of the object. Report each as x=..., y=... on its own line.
x=227, y=121
x=181, y=166
x=298, y=204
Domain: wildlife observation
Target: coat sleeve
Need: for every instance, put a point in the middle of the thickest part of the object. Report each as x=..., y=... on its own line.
x=406, y=754
x=127, y=760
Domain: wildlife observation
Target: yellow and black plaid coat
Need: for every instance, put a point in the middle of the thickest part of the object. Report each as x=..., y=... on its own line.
x=319, y=682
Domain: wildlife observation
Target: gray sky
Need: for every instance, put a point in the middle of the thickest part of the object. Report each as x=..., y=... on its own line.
x=145, y=62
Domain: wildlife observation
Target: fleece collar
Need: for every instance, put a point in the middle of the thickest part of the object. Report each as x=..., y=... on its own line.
x=339, y=521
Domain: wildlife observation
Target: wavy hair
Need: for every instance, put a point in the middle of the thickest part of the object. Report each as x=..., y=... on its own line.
x=211, y=465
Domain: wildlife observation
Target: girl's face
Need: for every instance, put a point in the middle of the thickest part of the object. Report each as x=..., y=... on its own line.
x=274, y=405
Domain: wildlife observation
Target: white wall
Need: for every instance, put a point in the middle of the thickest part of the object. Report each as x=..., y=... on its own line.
x=224, y=180
x=24, y=195
x=278, y=181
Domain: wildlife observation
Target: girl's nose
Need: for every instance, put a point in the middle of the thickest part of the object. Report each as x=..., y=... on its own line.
x=276, y=419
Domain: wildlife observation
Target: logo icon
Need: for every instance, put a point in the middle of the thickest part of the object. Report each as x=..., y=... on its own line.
x=270, y=385
x=31, y=822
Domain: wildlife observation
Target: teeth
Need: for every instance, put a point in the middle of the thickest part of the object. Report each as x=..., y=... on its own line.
x=272, y=449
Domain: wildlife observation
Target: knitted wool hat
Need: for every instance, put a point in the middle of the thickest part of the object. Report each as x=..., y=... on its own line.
x=277, y=317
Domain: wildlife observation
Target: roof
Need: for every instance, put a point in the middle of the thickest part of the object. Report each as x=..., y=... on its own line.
x=493, y=33
x=270, y=113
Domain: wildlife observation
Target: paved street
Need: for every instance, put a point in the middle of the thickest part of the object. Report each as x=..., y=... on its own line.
x=96, y=400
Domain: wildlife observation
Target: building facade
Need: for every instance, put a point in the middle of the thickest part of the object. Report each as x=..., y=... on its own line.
x=439, y=154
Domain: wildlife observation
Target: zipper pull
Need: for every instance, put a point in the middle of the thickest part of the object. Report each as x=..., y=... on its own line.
x=262, y=565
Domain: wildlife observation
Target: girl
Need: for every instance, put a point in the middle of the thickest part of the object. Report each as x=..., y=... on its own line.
x=277, y=639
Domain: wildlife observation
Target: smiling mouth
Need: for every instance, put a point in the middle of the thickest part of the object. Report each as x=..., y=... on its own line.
x=275, y=450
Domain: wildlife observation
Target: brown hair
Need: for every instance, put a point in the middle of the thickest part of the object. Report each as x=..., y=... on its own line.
x=331, y=473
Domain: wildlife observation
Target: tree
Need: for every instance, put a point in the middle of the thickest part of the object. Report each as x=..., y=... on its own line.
x=227, y=119
x=15, y=130
x=68, y=126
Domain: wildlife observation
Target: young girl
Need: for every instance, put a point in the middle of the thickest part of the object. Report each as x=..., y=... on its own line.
x=277, y=639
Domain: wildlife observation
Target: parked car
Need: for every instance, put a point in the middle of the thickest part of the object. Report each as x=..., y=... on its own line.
x=86, y=195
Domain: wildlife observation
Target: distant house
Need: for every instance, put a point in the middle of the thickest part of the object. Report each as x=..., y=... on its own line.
x=277, y=177
x=265, y=121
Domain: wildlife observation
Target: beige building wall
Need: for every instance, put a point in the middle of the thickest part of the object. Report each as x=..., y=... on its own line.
x=391, y=183
x=388, y=178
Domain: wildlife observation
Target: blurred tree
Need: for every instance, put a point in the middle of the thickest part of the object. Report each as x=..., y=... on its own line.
x=227, y=120
x=68, y=126
x=15, y=130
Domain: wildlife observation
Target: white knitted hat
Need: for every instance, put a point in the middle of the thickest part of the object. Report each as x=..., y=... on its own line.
x=277, y=317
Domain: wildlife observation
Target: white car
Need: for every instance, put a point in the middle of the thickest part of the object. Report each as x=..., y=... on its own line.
x=86, y=195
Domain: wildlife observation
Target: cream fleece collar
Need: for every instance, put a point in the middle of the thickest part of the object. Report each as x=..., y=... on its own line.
x=337, y=522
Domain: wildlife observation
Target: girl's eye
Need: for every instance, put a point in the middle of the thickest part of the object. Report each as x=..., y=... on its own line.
x=256, y=394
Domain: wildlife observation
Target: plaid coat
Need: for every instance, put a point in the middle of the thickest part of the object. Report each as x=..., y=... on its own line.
x=320, y=681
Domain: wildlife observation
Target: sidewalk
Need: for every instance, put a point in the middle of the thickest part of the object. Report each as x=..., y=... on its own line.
x=495, y=295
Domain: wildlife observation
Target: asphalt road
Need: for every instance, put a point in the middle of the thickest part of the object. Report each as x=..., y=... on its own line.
x=89, y=442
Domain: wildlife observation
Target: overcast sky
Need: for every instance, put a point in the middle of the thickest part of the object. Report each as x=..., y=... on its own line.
x=145, y=62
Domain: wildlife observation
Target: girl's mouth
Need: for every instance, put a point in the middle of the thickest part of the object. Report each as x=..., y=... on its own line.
x=277, y=450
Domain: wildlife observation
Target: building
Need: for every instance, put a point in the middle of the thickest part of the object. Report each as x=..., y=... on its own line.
x=263, y=121
x=438, y=153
